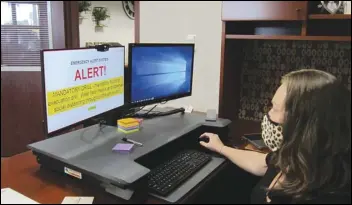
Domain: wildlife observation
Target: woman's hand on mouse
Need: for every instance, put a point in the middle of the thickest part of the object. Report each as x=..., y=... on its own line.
x=214, y=144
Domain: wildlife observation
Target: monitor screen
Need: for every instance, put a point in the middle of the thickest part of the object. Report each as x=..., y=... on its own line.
x=80, y=84
x=160, y=72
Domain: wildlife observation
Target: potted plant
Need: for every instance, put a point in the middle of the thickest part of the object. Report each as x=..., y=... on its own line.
x=83, y=6
x=99, y=14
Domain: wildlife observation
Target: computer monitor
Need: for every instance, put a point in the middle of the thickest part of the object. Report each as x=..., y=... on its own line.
x=80, y=84
x=159, y=72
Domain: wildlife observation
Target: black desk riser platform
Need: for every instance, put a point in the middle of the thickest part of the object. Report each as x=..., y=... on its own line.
x=89, y=152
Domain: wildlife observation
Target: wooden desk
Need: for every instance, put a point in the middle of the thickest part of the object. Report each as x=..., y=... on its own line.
x=23, y=174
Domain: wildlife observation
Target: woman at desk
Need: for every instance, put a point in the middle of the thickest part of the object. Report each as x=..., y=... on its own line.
x=308, y=130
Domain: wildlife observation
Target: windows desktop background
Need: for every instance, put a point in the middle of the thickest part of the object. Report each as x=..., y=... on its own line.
x=159, y=72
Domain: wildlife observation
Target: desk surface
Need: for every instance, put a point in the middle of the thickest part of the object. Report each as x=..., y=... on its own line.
x=23, y=174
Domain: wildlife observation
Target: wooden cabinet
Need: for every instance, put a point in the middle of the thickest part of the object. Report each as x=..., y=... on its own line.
x=254, y=35
x=264, y=10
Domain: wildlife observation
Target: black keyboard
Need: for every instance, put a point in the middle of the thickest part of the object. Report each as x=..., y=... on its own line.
x=167, y=177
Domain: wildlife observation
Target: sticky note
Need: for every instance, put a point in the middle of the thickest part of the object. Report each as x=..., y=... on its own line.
x=127, y=121
x=78, y=200
x=123, y=147
x=128, y=125
x=127, y=131
x=129, y=128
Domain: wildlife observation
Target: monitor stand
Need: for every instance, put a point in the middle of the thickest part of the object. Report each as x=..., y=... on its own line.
x=111, y=118
x=159, y=114
x=107, y=119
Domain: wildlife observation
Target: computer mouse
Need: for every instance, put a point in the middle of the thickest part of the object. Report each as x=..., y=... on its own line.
x=204, y=139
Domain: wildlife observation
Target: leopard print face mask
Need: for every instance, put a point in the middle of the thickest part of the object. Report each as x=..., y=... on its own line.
x=271, y=134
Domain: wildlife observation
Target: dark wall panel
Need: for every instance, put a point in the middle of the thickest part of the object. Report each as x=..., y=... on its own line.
x=21, y=111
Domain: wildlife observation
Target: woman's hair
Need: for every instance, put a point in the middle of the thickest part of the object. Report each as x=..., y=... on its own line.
x=315, y=156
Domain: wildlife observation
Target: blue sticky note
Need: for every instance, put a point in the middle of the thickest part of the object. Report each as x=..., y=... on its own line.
x=123, y=147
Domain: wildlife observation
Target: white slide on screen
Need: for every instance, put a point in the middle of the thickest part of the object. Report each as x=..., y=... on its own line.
x=81, y=83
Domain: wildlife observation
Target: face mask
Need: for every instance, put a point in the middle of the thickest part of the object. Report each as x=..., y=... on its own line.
x=271, y=134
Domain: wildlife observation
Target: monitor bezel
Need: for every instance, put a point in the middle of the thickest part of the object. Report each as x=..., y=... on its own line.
x=45, y=120
x=128, y=87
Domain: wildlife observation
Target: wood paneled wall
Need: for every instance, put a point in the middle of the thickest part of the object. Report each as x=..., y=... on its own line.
x=21, y=111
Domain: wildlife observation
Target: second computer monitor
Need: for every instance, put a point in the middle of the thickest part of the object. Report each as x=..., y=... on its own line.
x=160, y=72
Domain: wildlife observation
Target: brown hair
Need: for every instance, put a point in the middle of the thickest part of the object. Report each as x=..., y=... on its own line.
x=315, y=156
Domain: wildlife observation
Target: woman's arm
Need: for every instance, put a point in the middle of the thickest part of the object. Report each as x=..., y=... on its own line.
x=252, y=162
